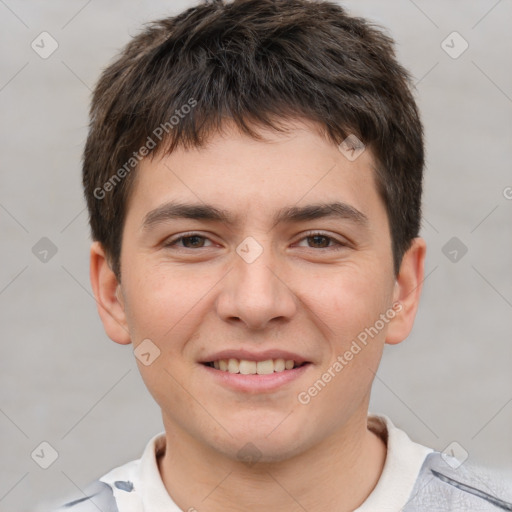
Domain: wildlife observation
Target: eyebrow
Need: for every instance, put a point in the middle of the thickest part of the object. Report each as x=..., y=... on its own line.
x=293, y=214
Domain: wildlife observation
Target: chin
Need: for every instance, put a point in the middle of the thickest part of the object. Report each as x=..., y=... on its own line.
x=253, y=443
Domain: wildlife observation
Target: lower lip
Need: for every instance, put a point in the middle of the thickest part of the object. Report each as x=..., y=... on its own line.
x=256, y=383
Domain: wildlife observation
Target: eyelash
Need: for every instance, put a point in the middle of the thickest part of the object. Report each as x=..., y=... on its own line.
x=338, y=245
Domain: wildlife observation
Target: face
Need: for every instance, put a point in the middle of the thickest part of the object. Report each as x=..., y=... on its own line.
x=232, y=258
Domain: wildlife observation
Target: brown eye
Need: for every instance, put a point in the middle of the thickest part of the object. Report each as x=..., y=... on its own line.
x=189, y=241
x=319, y=240
x=322, y=241
x=192, y=242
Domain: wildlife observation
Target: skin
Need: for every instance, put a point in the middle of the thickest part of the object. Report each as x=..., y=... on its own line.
x=193, y=299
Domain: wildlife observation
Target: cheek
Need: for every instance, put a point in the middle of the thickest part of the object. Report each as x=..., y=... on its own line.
x=163, y=307
x=347, y=307
x=347, y=301
x=163, y=301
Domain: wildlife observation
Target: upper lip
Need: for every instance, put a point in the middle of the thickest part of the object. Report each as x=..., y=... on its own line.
x=254, y=356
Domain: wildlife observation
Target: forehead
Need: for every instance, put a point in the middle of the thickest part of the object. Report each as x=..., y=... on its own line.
x=241, y=176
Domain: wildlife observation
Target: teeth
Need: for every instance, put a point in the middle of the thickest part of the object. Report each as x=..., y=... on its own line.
x=245, y=367
x=233, y=366
x=279, y=365
x=265, y=367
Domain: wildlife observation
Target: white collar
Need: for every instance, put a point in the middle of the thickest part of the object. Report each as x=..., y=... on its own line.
x=404, y=459
x=402, y=466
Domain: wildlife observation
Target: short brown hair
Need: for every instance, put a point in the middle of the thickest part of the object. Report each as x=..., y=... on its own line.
x=253, y=62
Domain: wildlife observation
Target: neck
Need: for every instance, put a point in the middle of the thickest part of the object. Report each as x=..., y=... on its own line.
x=338, y=474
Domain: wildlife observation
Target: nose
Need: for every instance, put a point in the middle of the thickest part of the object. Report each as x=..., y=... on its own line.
x=256, y=292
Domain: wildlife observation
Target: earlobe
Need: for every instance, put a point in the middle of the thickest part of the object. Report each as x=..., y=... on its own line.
x=107, y=293
x=408, y=286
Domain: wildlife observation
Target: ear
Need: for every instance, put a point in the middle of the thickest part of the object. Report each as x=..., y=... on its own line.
x=406, y=295
x=107, y=292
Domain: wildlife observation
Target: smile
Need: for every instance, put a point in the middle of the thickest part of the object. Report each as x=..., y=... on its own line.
x=247, y=367
x=255, y=377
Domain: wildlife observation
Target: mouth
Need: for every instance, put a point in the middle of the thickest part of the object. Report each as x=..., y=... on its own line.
x=251, y=367
x=250, y=372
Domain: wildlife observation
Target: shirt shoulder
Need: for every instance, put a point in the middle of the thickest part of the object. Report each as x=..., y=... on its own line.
x=124, y=488
x=113, y=492
x=97, y=495
x=446, y=485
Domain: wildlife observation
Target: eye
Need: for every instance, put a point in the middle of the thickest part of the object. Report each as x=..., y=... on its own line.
x=189, y=240
x=315, y=240
x=322, y=241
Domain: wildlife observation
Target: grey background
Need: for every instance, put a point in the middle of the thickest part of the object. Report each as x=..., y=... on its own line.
x=63, y=381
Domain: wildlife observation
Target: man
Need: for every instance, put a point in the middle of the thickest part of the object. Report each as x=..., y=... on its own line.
x=253, y=174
